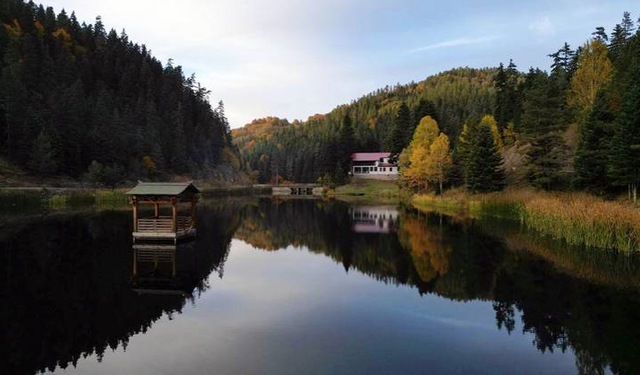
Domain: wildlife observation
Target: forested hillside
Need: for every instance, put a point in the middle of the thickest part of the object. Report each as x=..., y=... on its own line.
x=80, y=101
x=457, y=127
x=317, y=148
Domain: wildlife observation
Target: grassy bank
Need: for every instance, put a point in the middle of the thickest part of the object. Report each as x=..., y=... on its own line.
x=58, y=199
x=233, y=191
x=363, y=189
x=577, y=218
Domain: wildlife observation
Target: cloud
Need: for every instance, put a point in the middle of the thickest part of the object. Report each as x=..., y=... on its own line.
x=543, y=27
x=454, y=43
x=295, y=58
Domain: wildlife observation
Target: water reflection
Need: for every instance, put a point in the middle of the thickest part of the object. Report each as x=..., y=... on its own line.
x=374, y=219
x=72, y=285
x=66, y=292
x=164, y=269
x=567, y=297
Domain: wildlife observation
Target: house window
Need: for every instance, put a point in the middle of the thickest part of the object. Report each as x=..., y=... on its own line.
x=375, y=169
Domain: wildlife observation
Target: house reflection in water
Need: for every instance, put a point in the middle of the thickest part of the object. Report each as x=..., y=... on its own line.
x=374, y=219
x=164, y=269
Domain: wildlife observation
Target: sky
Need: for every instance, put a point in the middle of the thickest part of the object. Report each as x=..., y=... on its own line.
x=296, y=58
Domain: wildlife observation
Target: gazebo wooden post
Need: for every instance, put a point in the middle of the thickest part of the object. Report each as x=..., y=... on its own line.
x=193, y=210
x=174, y=226
x=157, y=209
x=134, y=203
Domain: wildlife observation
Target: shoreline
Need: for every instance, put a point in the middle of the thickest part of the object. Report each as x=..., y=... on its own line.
x=577, y=218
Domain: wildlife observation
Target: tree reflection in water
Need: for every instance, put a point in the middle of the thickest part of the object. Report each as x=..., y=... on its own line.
x=72, y=285
x=66, y=289
x=567, y=297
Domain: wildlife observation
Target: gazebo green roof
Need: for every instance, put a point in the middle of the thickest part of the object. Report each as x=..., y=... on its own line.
x=163, y=188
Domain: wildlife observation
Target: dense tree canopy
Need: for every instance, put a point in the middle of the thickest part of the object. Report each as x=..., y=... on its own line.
x=73, y=93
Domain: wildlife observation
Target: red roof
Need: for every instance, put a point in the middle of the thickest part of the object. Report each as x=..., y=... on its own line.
x=369, y=156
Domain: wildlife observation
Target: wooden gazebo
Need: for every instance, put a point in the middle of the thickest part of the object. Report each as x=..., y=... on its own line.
x=160, y=194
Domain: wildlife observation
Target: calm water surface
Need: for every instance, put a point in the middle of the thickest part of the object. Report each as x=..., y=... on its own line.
x=289, y=287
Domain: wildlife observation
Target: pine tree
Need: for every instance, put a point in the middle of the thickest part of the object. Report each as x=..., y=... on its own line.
x=153, y=145
x=424, y=108
x=507, y=96
x=43, y=159
x=346, y=147
x=179, y=154
x=624, y=154
x=462, y=153
x=573, y=64
x=600, y=35
x=591, y=156
x=223, y=120
x=542, y=104
x=618, y=40
x=560, y=67
x=500, y=84
x=485, y=162
x=620, y=35
x=627, y=25
x=491, y=122
x=402, y=130
x=545, y=159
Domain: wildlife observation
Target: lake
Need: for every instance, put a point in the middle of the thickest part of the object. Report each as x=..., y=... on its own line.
x=308, y=286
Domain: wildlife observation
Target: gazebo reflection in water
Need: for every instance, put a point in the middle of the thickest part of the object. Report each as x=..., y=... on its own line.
x=164, y=269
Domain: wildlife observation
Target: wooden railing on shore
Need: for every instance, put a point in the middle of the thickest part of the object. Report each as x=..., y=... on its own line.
x=164, y=224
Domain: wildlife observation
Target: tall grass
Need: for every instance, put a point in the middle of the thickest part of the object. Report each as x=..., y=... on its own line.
x=583, y=219
x=10, y=199
x=36, y=199
x=577, y=218
x=234, y=191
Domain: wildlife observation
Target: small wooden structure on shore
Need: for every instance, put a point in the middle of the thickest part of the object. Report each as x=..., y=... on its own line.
x=297, y=189
x=158, y=194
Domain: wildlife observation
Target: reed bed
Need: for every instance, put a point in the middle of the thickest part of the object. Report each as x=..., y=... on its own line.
x=445, y=205
x=583, y=219
x=577, y=218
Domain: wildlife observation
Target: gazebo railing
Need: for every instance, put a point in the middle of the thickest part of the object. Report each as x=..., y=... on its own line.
x=164, y=224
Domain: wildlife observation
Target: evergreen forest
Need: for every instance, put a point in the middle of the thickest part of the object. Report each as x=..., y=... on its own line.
x=81, y=101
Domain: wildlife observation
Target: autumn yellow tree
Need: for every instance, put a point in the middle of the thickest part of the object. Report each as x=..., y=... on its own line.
x=149, y=165
x=491, y=122
x=416, y=172
x=594, y=70
x=439, y=160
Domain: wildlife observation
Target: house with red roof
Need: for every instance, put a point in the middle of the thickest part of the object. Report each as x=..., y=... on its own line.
x=375, y=165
